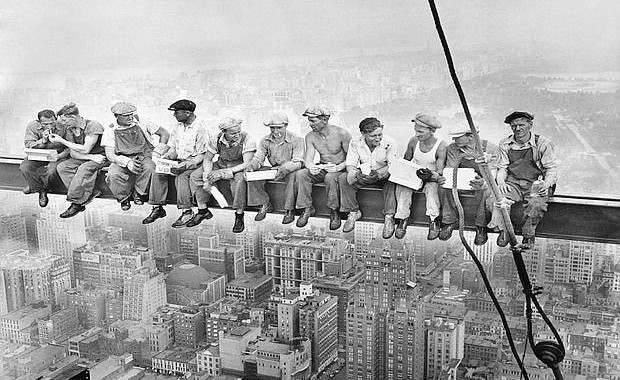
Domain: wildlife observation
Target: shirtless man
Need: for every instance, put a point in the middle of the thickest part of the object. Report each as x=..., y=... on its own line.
x=332, y=143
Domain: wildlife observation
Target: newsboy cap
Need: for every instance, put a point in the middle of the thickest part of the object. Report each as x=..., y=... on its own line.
x=276, y=119
x=229, y=122
x=123, y=108
x=183, y=105
x=517, y=114
x=427, y=121
x=316, y=111
x=460, y=129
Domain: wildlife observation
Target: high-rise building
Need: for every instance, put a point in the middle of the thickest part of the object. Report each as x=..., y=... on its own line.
x=288, y=318
x=25, y=280
x=59, y=236
x=365, y=338
x=12, y=233
x=60, y=277
x=344, y=290
x=154, y=235
x=189, y=327
x=188, y=244
x=445, y=340
x=108, y=264
x=220, y=257
x=250, y=287
x=318, y=321
x=143, y=293
x=404, y=353
x=89, y=303
x=293, y=258
x=58, y=326
x=15, y=326
x=484, y=252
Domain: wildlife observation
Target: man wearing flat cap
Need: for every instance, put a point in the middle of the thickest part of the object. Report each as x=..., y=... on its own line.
x=235, y=149
x=188, y=144
x=331, y=143
x=37, y=137
x=285, y=152
x=79, y=173
x=129, y=145
x=368, y=161
x=527, y=173
x=429, y=152
x=461, y=153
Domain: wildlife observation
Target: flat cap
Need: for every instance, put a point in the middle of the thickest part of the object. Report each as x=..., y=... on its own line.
x=229, y=122
x=276, y=119
x=123, y=108
x=183, y=105
x=316, y=111
x=427, y=121
x=517, y=114
x=460, y=129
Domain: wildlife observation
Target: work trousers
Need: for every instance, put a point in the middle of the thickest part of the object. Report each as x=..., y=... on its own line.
x=348, y=195
x=450, y=215
x=159, y=189
x=122, y=182
x=237, y=186
x=305, y=180
x=79, y=176
x=403, y=200
x=257, y=196
x=38, y=174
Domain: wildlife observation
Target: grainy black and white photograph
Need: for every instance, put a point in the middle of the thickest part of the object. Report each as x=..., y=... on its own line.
x=310, y=190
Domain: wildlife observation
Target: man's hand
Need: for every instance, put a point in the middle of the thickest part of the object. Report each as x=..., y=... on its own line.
x=178, y=169
x=160, y=150
x=503, y=187
x=135, y=166
x=98, y=158
x=478, y=183
x=543, y=191
x=314, y=169
x=214, y=176
x=281, y=173
x=441, y=179
x=331, y=168
x=55, y=138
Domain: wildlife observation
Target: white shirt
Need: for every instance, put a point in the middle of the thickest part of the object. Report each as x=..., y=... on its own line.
x=359, y=153
x=191, y=140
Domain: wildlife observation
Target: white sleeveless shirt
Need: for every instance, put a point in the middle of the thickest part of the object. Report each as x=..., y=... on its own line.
x=426, y=160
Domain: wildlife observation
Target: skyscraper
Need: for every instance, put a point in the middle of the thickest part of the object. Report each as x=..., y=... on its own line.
x=445, y=340
x=143, y=293
x=318, y=321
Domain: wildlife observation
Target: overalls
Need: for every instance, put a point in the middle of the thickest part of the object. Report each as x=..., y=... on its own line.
x=229, y=156
x=132, y=143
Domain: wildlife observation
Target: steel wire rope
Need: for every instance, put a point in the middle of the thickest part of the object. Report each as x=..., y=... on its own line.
x=550, y=353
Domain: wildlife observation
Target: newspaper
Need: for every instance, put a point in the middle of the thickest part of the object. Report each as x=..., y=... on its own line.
x=403, y=172
x=464, y=176
x=49, y=155
x=163, y=165
x=261, y=175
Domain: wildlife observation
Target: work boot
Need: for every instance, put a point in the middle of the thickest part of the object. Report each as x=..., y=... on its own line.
x=401, y=228
x=528, y=242
x=334, y=220
x=43, y=199
x=433, y=230
x=73, y=210
x=388, y=226
x=137, y=199
x=349, y=224
x=445, y=232
x=289, y=217
x=262, y=213
x=303, y=218
x=502, y=239
x=156, y=213
x=481, y=236
x=203, y=214
x=239, y=225
x=125, y=204
x=183, y=219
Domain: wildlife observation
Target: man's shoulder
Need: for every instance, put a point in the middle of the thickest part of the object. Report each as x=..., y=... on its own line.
x=93, y=126
x=506, y=141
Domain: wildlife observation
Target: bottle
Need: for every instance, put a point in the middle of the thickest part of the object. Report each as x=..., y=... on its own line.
x=537, y=185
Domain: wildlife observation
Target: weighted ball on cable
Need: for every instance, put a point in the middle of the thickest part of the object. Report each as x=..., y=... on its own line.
x=549, y=353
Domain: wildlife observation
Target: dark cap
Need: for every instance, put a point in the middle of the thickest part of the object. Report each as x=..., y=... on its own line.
x=183, y=105
x=69, y=109
x=517, y=114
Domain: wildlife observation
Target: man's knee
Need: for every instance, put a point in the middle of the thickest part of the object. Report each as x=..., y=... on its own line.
x=303, y=175
x=333, y=178
x=27, y=166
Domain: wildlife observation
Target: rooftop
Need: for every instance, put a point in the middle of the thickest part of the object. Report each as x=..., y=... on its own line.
x=249, y=280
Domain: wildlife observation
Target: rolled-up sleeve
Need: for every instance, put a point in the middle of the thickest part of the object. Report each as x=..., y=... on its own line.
x=212, y=144
x=249, y=145
x=299, y=150
x=32, y=138
x=548, y=161
x=261, y=153
x=353, y=155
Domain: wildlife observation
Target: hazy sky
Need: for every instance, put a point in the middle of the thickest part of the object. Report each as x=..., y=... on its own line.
x=64, y=35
